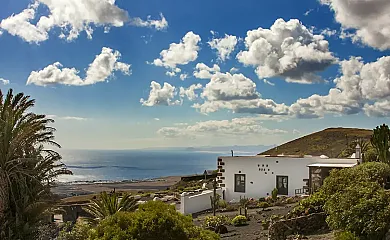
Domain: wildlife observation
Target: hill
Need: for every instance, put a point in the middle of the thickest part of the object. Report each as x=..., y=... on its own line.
x=330, y=142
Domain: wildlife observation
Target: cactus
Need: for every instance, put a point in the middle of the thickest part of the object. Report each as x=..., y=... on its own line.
x=243, y=206
x=215, y=198
x=380, y=141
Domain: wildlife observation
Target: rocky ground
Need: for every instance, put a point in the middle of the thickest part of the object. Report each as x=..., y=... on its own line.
x=254, y=229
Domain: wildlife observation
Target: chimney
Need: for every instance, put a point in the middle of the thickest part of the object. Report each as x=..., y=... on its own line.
x=358, y=153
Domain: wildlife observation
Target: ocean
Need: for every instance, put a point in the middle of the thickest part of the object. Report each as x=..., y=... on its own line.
x=120, y=165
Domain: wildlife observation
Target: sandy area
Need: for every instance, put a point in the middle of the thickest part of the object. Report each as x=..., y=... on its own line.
x=90, y=188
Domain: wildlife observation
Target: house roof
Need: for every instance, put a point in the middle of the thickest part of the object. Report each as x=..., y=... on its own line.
x=333, y=165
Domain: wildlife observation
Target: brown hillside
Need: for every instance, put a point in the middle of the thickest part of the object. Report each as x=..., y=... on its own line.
x=330, y=142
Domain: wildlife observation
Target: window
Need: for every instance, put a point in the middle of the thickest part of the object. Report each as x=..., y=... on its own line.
x=239, y=183
x=282, y=185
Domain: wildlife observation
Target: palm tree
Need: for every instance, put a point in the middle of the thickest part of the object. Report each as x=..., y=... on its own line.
x=364, y=146
x=27, y=169
x=108, y=204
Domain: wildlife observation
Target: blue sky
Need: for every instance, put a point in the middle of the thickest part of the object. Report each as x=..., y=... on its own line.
x=284, y=99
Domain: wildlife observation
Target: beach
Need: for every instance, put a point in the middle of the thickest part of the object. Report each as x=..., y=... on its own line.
x=75, y=189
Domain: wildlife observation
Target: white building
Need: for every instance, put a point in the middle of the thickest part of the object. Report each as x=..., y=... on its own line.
x=257, y=176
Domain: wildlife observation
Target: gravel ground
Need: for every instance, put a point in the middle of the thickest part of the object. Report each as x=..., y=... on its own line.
x=254, y=229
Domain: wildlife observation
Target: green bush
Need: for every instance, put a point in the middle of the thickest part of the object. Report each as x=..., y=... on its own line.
x=274, y=194
x=263, y=205
x=222, y=203
x=262, y=199
x=230, y=207
x=152, y=220
x=78, y=231
x=338, y=180
x=362, y=208
x=314, y=203
x=289, y=200
x=239, y=220
x=213, y=222
x=265, y=224
x=345, y=235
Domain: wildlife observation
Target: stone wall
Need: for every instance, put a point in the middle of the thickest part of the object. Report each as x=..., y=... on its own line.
x=301, y=225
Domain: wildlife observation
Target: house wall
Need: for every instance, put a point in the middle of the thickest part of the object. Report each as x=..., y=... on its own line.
x=261, y=183
x=196, y=203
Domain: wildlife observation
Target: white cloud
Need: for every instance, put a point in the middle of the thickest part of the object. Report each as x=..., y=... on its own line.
x=328, y=32
x=226, y=87
x=72, y=17
x=370, y=19
x=234, y=70
x=360, y=87
x=288, y=50
x=224, y=46
x=179, y=53
x=204, y=72
x=4, y=81
x=71, y=118
x=308, y=12
x=19, y=25
x=378, y=109
x=237, y=93
x=183, y=76
x=190, y=92
x=157, y=24
x=296, y=132
x=160, y=96
x=156, y=119
x=268, y=82
x=234, y=127
x=99, y=70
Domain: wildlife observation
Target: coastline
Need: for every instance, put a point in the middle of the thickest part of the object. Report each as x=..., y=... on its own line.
x=77, y=188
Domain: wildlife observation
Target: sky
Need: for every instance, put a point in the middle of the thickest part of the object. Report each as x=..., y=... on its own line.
x=118, y=74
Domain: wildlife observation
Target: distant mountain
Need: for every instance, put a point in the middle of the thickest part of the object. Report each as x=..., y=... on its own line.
x=330, y=142
x=225, y=150
x=237, y=150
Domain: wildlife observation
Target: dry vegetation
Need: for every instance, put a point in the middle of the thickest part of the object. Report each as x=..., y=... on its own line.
x=330, y=142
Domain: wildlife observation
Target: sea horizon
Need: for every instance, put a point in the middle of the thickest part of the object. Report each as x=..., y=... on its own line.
x=98, y=166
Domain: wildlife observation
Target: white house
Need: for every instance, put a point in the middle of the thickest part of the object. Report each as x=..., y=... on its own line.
x=257, y=176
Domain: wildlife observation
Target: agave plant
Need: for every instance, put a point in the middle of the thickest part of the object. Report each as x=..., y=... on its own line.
x=27, y=169
x=108, y=204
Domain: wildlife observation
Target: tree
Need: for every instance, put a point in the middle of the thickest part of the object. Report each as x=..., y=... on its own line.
x=109, y=204
x=153, y=220
x=380, y=142
x=351, y=148
x=27, y=169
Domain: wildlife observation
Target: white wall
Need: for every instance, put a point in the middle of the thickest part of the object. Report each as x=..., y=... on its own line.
x=260, y=183
x=198, y=202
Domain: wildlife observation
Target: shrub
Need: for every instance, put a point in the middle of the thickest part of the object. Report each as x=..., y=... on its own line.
x=274, y=218
x=362, y=208
x=230, y=207
x=265, y=224
x=152, y=220
x=239, y=220
x=78, y=231
x=338, y=180
x=289, y=200
x=345, y=235
x=274, y=194
x=222, y=203
x=262, y=199
x=314, y=203
x=213, y=222
x=263, y=205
